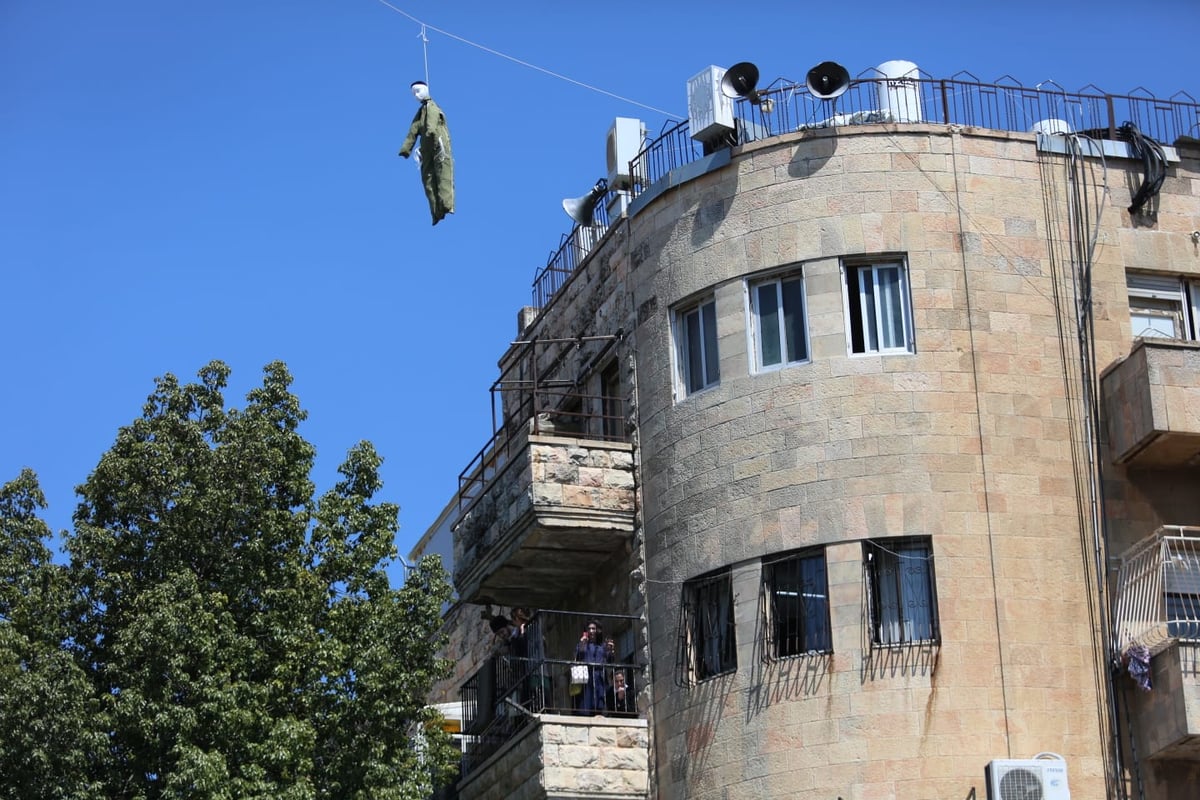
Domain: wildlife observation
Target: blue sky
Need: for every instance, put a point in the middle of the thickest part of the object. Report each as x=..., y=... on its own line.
x=182, y=182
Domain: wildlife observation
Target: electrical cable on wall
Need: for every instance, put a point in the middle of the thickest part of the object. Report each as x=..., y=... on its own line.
x=1154, y=166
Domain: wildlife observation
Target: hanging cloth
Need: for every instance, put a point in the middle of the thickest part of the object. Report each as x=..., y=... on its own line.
x=435, y=157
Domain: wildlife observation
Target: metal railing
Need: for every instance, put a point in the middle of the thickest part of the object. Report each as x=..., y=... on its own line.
x=548, y=411
x=786, y=106
x=1158, y=590
x=531, y=674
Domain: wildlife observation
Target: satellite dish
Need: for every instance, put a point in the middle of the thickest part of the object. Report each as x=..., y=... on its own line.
x=828, y=80
x=740, y=80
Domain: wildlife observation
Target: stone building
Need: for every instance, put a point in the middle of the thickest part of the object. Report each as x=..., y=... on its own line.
x=870, y=430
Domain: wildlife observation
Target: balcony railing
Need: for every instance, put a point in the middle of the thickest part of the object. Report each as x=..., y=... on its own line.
x=873, y=98
x=518, y=683
x=549, y=411
x=1158, y=590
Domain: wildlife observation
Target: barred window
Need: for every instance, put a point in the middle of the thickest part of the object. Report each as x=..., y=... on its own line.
x=796, y=607
x=707, y=639
x=902, y=592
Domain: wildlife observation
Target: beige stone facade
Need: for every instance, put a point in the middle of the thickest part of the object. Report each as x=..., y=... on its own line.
x=969, y=441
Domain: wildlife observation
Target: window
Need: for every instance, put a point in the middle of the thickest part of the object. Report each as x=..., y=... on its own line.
x=708, y=644
x=777, y=321
x=877, y=308
x=1181, y=588
x=1163, y=306
x=900, y=584
x=696, y=337
x=797, y=605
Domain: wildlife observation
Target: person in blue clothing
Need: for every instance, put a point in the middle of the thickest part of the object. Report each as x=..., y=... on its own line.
x=594, y=651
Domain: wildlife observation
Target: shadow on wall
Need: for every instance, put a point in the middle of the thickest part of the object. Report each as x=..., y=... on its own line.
x=689, y=753
x=778, y=680
x=792, y=678
x=811, y=156
x=710, y=213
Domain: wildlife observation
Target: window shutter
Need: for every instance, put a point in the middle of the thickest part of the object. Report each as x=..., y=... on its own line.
x=1160, y=287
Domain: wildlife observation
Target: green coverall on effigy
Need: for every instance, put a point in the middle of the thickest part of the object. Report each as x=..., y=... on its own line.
x=437, y=162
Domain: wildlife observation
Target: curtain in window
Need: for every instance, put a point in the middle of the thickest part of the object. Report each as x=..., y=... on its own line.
x=881, y=299
x=695, y=353
x=768, y=324
x=902, y=579
x=714, y=619
x=712, y=369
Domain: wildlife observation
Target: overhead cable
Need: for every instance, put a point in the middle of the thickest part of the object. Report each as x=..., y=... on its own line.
x=425, y=25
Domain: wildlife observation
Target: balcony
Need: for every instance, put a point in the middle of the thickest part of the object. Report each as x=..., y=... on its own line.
x=1158, y=607
x=527, y=731
x=542, y=511
x=1152, y=404
x=1166, y=719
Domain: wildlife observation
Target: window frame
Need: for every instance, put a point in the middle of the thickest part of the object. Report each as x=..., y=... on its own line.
x=814, y=640
x=697, y=631
x=757, y=338
x=855, y=300
x=1159, y=296
x=1181, y=595
x=704, y=310
x=892, y=594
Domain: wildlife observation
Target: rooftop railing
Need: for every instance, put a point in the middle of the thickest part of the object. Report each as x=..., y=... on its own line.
x=787, y=106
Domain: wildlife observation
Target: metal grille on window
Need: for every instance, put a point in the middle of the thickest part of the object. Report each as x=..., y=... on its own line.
x=900, y=586
x=707, y=640
x=796, y=605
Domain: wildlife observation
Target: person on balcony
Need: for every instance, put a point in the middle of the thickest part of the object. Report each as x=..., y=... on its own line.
x=621, y=700
x=594, y=651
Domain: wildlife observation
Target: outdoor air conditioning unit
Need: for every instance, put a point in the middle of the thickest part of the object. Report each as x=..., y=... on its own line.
x=625, y=139
x=1027, y=779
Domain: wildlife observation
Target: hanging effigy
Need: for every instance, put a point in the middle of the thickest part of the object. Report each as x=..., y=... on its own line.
x=433, y=154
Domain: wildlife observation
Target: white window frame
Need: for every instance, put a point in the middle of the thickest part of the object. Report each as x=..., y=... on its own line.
x=755, y=327
x=704, y=311
x=865, y=284
x=1166, y=299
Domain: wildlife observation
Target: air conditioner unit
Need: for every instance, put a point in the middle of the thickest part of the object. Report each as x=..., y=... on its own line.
x=710, y=112
x=625, y=139
x=1027, y=779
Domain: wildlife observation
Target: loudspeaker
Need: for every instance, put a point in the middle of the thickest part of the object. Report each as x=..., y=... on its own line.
x=740, y=80
x=828, y=80
x=582, y=208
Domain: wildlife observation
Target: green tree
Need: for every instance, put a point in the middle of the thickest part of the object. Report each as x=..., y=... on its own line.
x=238, y=637
x=51, y=720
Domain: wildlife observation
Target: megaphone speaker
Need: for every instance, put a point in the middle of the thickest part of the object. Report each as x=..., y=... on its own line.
x=581, y=209
x=828, y=80
x=740, y=80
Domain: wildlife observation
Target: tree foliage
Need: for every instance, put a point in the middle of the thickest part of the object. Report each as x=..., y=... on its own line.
x=219, y=631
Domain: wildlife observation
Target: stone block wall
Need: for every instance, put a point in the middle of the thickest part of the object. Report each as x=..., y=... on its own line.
x=966, y=441
x=567, y=757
